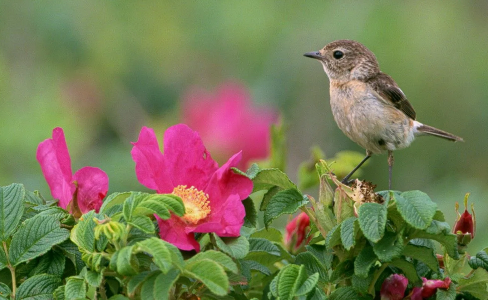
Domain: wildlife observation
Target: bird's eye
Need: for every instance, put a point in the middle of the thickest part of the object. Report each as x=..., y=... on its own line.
x=338, y=54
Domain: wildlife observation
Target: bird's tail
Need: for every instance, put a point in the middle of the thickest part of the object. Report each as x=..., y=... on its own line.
x=426, y=129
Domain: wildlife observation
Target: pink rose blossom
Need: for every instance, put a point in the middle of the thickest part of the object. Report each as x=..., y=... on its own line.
x=393, y=288
x=429, y=288
x=212, y=196
x=81, y=192
x=296, y=231
x=228, y=122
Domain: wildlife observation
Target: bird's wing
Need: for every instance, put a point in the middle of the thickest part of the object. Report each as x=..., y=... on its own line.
x=387, y=88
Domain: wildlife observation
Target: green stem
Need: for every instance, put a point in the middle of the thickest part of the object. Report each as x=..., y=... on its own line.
x=375, y=278
x=12, y=271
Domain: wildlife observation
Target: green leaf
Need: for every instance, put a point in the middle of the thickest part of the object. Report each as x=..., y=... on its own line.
x=441, y=232
x=423, y=254
x=210, y=273
x=251, y=218
x=449, y=294
x=236, y=247
x=94, y=278
x=75, y=288
x=50, y=263
x=38, y=287
x=131, y=203
x=136, y=280
x=389, y=247
x=164, y=254
x=346, y=293
x=268, y=196
x=124, y=262
x=263, y=245
x=308, y=285
x=3, y=258
x=345, y=269
x=365, y=260
x=11, y=209
x=408, y=269
x=83, y=233
x=222, y=259
x=58, y=293
x=270, y=233
x=284, y=202
x=267, y=178
x=372, y=220
x=4, y=291
x=476, y=285
x=70, y=251
x=478, y=261
x=162, y=204
x=112, y=200
x=157, y=285
x=349, y=231
x=142, y=223
x=416, y=208
x=333, y=237
x=35, y=237
x=118, y=297
x=312, y=265
x=248, y=265
x=289, y=281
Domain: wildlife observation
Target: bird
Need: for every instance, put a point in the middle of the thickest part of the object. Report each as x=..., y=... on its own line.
x=368, y=105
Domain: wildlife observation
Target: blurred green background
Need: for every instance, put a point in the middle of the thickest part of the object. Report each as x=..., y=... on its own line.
x=103, y=69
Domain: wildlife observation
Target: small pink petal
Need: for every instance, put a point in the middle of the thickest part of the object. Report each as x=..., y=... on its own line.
x=150, y=166
x=226, y=191
x=92, y=188
x=53, y=156
x=186, y=158
x=430, y=287
x=174, y=231
x=416, y=293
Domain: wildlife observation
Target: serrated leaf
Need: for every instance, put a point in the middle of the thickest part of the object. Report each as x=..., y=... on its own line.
x=248, y=265
x=38, y=287
x=312, y=265
x=125, y=262
x=263, y=245
x=50, y=263
x=11, y=209
x=439, y=231
x=372, y=220
x=479, y=261
x=290, y=279
x=35, y=237
x=333, y=237
x=222, y=259
x=390, y=246
x=343, y=270
x=236, y=247
x=348, y=232
x=142, y=223
x=446, y=294
x=476, y=284
x=270, y=233
x=284, y=202
x=416, y=208
x=164, y=254
x=308, y=285
x=365, y=260
x=94, y=278
x=423, y=254
x=118, y=297
x=210, y=273
x=267, y=178
x=268, y=196
x=158, y=285
x=83, y=233
x=3, y=259
x=162, y=204
x=346, y=293
x=131, y=203
x=75, y=288
x=408, y=269
x=113, y=200
x=58, y=293
x=4, y=291
x=136, y=281
x=70, y=251
x=251, y=218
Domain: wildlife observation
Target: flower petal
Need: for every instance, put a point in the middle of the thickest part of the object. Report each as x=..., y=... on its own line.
x=186, y=158
x=175, y=231
x=226, y=191
x=150, y=166
x=53, y=156
x=92, y=188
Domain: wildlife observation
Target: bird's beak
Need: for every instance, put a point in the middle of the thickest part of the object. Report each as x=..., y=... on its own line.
x=313, y=54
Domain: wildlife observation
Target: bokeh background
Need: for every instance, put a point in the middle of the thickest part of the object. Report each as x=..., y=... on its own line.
x=103, y=69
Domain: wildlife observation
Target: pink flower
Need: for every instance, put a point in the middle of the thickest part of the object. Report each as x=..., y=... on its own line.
x=81, y=192
x=212, y=196
x=429, y=288
x=393, y=288
x=297, y=230
x=466, y=222
x=228, y=122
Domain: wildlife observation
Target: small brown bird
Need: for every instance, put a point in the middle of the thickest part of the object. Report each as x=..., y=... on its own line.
x=367, y=104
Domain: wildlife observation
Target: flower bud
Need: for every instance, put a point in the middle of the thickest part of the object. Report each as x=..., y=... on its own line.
x=296, y=232
x=465, y=225
x=393, y=288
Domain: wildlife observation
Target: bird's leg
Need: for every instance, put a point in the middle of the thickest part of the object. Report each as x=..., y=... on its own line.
x=346, y=179
x=390, y=167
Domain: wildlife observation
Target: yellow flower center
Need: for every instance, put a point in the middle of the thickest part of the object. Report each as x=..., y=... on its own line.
x=196, y=203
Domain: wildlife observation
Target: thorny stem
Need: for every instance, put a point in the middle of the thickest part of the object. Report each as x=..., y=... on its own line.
x=12, y=271
x=375, y=278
